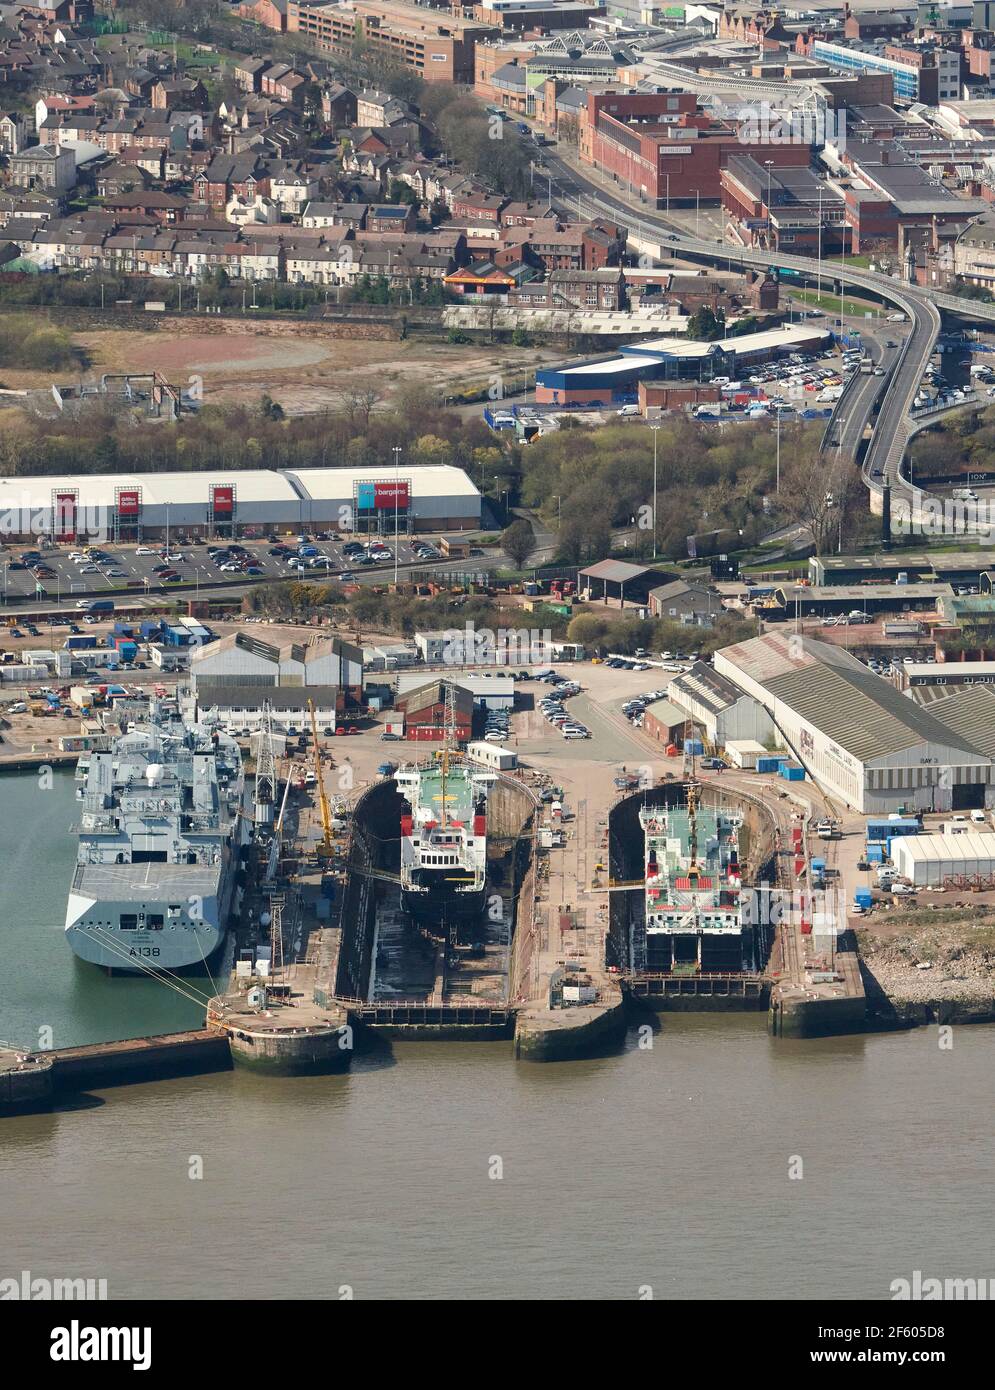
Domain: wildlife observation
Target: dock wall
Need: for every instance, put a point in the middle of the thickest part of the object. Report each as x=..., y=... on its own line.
x=139, y=1059
x=374, y=844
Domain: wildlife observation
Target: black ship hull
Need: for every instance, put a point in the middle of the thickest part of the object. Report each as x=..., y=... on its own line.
x=444, y=913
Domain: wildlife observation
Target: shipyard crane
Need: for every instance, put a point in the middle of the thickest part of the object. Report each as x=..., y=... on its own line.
x=326, y=815
x=266, y=783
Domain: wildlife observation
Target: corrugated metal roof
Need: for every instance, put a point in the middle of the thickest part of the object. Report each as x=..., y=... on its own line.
x=617, y=571
x=970, y=712
x=832, y=691
x=669, y=714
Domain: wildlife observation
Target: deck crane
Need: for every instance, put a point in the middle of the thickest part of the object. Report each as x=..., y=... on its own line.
x=326, y=815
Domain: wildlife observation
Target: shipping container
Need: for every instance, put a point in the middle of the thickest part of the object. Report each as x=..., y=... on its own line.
x=83, y=642
x=886, y=829
x=492, y=755
x=791, y=772
x=744, y=752
x=768, y=764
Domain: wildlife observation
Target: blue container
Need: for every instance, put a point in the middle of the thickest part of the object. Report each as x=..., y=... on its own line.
x=887, y=829
x=791, y=772
x=694, y=747
x=818, y=866
x=875, y=852
x=863, y=897
x=768, y=764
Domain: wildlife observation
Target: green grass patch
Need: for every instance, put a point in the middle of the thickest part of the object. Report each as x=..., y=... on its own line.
x=830, y=303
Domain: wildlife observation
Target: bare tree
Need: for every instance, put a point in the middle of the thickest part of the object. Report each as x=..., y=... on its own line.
x=361, y=400
x=820, y=491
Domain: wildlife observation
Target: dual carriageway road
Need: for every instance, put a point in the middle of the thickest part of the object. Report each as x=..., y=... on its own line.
x=891, y=396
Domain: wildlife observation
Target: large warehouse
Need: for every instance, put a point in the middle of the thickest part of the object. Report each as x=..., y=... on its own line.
x=602, y=380
x=243, y=660
x=135, y=506
x=864, y=742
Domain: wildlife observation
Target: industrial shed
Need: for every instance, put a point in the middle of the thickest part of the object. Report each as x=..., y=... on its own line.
x=951, y=861
x=718, y=706
x=617, y=579
x=952, y=567
x=827, y=600
x=250, y=662
x=864, y=742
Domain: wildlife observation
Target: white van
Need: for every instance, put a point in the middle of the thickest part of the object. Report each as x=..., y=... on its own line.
x=628, y=410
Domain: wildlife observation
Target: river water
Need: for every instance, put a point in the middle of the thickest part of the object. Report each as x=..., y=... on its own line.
x=449, y=1171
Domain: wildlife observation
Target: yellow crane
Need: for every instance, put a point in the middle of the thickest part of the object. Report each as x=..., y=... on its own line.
x=326, y=815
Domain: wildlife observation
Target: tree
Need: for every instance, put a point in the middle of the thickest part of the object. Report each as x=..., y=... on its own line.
x=518, y=542
x=705, y=326
x=819, y=492
x=361, y=400
x=270, y=409
x=588, y=629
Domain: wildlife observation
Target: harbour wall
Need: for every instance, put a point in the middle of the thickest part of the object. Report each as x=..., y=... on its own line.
x=374, y=844
x=31, y=1081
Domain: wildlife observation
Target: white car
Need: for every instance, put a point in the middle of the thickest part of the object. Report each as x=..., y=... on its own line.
x=141, y=550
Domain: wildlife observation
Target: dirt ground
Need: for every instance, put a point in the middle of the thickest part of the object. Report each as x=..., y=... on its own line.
x=927, y=955
x=304, y=371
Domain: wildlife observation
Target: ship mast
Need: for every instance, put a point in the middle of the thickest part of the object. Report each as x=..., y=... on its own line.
x=692, y=796
x=449, y=731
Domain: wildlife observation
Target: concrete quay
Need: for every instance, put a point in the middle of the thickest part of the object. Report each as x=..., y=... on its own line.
x=36, y=1081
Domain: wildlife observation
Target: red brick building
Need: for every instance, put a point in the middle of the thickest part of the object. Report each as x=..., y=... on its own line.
x=424, y=711
x=661, y=147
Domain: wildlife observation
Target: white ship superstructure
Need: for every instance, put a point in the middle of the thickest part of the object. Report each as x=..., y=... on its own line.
x=444, y=843
x=693, y=893
x=158, y=845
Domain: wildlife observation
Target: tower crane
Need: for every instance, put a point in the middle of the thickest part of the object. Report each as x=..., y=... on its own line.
x=326, y=815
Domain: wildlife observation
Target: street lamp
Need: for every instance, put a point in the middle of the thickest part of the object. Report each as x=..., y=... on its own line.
x=656, y=431
x=769, y=164
x=777, y=483
x=397, y=489
x=839, y=498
